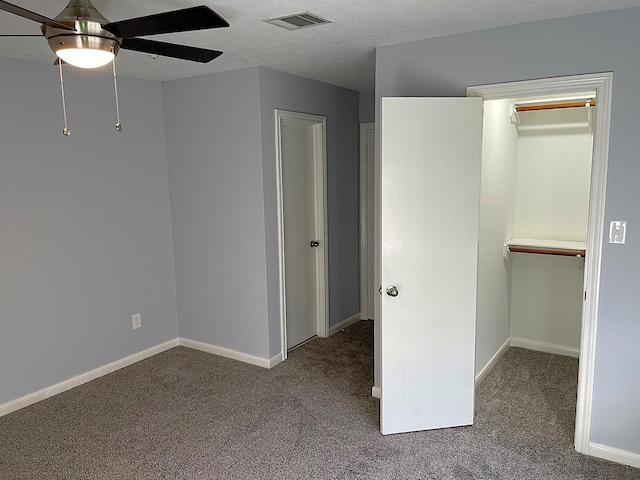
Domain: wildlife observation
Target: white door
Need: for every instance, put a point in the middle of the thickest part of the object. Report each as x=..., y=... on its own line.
x=367, y=185
x=431, y=154
x=297, y=182
x=302, y=230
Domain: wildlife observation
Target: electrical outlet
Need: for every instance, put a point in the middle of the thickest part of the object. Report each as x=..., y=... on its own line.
x=136, y=320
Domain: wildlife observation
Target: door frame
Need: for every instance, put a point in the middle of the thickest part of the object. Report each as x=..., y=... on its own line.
x=602, y=83
x=366, y=249
x=319, y=124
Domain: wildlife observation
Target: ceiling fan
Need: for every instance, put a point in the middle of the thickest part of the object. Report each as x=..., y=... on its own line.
x=82, y=37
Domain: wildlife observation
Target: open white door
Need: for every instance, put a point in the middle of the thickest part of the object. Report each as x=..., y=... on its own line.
x=431, y=154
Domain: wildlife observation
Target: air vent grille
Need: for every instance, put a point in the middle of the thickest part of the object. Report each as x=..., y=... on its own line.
x=298, y=20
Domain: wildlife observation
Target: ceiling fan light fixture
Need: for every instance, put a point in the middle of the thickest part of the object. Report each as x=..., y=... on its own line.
x=85, y=57
x=82, y=37
x=84, y=51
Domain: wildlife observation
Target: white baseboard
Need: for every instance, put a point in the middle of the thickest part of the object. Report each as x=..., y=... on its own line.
x=545, y=347
x=228, y=353
x=528, y=344
x=345, y=323
x=614, y=454
x=48, y=392
x=275, y=360
x=78, y=380
x=492, y=363
x=376, y=392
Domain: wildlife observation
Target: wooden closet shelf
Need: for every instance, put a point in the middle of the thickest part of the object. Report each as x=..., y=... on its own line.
x=545, y=247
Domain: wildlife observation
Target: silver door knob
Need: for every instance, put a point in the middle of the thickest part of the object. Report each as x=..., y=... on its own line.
x=314, y=243
x=392, y=291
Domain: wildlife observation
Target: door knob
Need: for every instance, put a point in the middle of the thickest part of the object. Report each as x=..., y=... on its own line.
x=392, y=291
x=314, y=243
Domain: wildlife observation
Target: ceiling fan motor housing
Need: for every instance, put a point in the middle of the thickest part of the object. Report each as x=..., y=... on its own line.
x=89, y=34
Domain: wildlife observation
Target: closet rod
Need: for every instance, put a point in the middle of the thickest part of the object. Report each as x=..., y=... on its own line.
x=548, y=251
x=553, y=106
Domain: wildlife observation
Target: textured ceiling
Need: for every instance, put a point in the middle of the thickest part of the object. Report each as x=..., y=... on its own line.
x=341, y=53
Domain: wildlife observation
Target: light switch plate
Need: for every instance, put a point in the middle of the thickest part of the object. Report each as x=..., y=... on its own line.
x=617, y=231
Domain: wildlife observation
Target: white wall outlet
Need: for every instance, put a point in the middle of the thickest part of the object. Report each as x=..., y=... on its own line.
x=136, y=320
x=617, y=231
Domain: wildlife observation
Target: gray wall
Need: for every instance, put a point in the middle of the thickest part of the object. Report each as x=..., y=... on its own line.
x=607, y=41
x=221, y=151
x=367, y=107
x=85, y=230
x=215, y=178
x=340, y=106
x=93, y=224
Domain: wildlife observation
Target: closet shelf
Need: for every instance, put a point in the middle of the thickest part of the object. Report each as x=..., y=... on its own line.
x=545, y=247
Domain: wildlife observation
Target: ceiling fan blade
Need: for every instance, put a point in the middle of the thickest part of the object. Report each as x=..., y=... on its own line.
x=23, y=12
x=187, y=19
x=173, y=50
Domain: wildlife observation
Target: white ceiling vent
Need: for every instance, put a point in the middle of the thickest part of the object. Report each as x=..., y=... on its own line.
x=298, y=20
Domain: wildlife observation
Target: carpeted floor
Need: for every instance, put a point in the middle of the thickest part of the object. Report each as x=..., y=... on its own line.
x=184, y=414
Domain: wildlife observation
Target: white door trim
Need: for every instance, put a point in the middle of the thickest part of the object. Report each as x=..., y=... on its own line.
x=319, y=124
x=365, y=249
x=602, y=83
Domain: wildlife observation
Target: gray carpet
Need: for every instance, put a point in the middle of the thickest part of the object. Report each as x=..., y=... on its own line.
x=184, y=414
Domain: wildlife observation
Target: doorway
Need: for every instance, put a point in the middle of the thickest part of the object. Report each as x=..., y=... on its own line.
x=302, y=232
x=601, y=85
x=405, y=188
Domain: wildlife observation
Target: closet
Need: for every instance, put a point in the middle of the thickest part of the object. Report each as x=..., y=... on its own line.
x=534, y=209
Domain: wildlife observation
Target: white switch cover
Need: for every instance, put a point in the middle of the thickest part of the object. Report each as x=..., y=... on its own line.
x=617, y=231
x=136, y=320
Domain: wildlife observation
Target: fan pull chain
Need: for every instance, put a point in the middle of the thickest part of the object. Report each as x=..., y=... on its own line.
x=65, y=131
x=115, y=87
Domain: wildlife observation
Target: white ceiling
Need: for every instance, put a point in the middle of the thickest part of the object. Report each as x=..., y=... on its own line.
x=341, y=53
